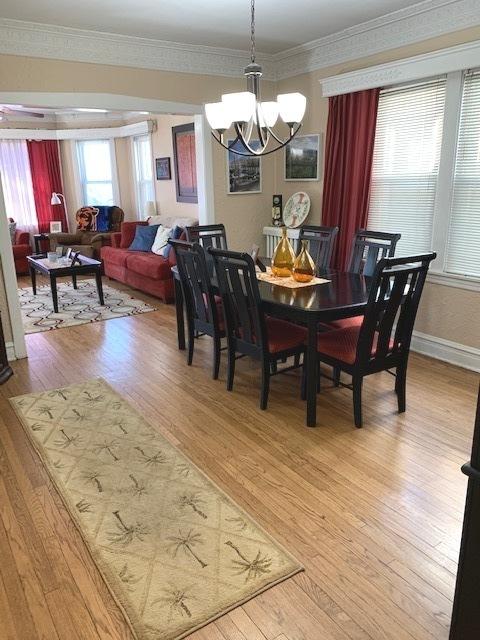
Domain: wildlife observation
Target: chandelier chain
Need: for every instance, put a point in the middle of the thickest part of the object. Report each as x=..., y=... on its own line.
x=252, y=31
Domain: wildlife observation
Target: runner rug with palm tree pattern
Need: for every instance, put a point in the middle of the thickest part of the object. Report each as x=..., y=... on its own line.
x=174, y=550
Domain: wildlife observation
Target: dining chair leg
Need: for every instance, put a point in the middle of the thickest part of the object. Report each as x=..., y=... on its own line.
x=318, y=376
x=303, y=386
x=400, y=386
x=357, y=400
x=191, y=342
x=216, y=356
x=336, y=376
x=273, y=366
x=265, y=384
x=296, y=360
x=230, y=366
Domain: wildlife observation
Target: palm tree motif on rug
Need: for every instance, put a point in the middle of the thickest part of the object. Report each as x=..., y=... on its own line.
x=187, y=542
x=177, y=600
x=127, y=533
x=192, y=500
x=252, y=569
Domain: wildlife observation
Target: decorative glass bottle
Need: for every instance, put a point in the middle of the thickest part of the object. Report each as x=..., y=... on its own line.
x=304, y=267
x=283, y=257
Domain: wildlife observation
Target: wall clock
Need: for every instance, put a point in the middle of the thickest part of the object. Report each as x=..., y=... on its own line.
x=296, y=210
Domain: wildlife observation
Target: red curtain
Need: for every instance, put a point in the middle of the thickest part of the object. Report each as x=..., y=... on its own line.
x=46, y=178
x=350, y=138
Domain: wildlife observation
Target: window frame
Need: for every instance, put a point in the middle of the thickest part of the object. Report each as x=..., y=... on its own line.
x=442, y=212
x=135, y=168
x=80, y=165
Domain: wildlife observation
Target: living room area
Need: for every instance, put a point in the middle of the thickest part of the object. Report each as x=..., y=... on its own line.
x=239, y=337
x=72, y=191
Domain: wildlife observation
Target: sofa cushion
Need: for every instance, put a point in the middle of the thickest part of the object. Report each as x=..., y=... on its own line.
x=149, y=265
x=176, y=234
x=115, y=256
x=161, y=240
x=128, y=233
x=144, y=238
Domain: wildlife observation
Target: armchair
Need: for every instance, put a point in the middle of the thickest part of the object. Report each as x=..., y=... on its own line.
x=21, y=249
x=86, y=239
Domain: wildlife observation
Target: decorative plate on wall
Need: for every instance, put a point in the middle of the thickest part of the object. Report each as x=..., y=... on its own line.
x=296, y=210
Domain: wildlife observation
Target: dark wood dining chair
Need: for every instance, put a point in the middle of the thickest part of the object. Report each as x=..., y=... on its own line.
x=382, y=341
x=208, y=235
x=321, y=241
x=369, y=247
x=203, y=308
x=249, y=331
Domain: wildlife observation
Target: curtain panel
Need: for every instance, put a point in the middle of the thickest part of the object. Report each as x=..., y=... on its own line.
x=17, y=185
x=46, y=179
x=348, y=166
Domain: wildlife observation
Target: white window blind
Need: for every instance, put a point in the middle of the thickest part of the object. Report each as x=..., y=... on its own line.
x=95, y=166
x=406, y=161
x=143, y=173
x=463, y=249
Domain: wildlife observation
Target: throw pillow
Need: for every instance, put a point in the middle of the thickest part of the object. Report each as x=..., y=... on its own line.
x=161, y=239
x=144, y=238
x=175, y=235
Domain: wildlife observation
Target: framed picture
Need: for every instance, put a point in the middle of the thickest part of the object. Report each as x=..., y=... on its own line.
x=55, y=226
x=163, y=169
x=185, y=162
x=302, y=158
x=244, y=173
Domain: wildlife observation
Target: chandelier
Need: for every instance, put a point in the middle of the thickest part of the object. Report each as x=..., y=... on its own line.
x=252, y=119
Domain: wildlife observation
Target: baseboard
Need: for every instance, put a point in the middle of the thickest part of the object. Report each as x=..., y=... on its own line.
x=452, y=352
x=11, y=355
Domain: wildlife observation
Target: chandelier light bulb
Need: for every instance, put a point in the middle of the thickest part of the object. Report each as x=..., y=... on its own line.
x=240, y=107
x=292, y=107
x=217, y=116
x=268, y=114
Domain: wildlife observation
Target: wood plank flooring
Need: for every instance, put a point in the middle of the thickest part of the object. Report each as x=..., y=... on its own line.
x=374, y=514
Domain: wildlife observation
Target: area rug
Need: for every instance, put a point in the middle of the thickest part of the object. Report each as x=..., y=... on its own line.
x=75, y=306
x=175, y=551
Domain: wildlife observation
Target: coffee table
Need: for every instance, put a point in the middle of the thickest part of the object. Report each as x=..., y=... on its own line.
x=88, y=266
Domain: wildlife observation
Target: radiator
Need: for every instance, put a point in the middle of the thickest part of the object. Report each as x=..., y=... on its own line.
x=273, y=235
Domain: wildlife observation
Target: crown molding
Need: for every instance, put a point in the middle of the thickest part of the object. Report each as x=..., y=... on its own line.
x=103, y=133
x=419, y=22
x=436, y=63
x=23, y=38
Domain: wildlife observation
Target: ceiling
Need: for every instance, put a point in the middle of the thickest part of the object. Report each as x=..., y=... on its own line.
x=281, y=24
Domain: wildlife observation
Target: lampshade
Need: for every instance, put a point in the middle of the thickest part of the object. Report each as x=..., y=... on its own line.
x=55, y=198
x=239, y=106
x=217, y=116
x=150, y=208
x=292, y=107
x=269, y=111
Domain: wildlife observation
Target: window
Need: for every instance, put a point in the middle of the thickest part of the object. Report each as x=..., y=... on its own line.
x=462, y=256
x=142, y=151
x=406, y=163
x=95, y=164
x=17, y=184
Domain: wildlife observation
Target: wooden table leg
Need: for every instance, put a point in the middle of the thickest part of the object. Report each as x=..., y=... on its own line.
x=98, y=279
x=180, y=317
x=74, y=280
x=312, y=374
x=33, y=276
x=53, y=287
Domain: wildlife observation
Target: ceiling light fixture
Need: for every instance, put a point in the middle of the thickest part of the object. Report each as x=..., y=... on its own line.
x=251, y=118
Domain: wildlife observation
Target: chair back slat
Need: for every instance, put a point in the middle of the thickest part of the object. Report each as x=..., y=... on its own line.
x=321, y=241
x=196, y=282
x=208, y=235
x=392, y=307
x=369, y=247
x=238, y=285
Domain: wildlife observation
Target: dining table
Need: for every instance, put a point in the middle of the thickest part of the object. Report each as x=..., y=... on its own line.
x=343, y=295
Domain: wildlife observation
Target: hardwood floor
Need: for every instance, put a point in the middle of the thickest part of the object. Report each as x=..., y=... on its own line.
x=374, y=514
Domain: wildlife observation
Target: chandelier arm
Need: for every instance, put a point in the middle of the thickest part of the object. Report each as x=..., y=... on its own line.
x=246, y=143
x=261, y=134
x=293, y=133
x=253, y=153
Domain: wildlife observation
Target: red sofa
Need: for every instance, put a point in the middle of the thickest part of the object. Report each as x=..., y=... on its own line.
x=145, y=271
x=21, y=249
